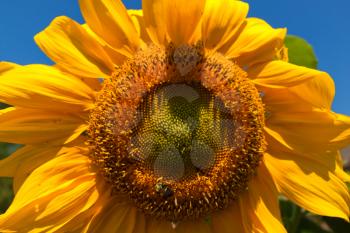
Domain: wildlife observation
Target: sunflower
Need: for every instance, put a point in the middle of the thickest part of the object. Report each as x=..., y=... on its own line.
x=184, y=116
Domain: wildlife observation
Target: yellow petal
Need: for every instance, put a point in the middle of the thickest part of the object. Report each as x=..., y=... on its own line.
x=6, y=66
x=118, y=216
x=40, y=86
x=139, y=23
x=200, y=225
x=228, y=220
x=342, y=139
x=183, y=19
x=313, y=130
x=27, y=156
x=299, y=124
x=53, y=194
x=319, y=91
x=117, y=57
x=155, y=15
x=158, y=226
x=10, y=164
x=339, y=171
x=93, y=83
x=259, y=205
x=109, y=19
x=29, y=165
x=343, y=175
x=31, y=126
x=258, y=42
x=280, y=74
x=177, y=21
x=222, y=21
x=328, y=160
x=25, y=160
x=81, y=222
x=320, y=157
x=281, y=99
x=309, y=184
x=73, y=49
x=140, y=226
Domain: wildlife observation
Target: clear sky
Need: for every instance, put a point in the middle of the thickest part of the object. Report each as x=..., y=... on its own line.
x=324, y=23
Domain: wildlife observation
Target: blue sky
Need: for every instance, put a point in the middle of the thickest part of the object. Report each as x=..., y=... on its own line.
x=325, y=24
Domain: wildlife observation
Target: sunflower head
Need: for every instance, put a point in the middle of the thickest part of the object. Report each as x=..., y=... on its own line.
x=198, y=116
x=180, y=132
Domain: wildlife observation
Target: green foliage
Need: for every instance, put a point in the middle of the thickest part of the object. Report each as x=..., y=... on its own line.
x=337, y=225
x=300, y=52
x=6, y=193
x=3, y=106
x=298, y=220
x=291, y=215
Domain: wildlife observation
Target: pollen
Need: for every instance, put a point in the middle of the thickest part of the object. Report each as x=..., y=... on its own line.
x=178, y=132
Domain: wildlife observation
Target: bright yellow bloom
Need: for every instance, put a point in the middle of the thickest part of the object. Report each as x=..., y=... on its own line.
x=199, y=125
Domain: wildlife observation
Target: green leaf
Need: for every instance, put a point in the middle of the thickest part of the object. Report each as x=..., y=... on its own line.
x=291, y=214
x=2, y=105
x=7, y=148
x=313, y=224
x=6, y=193
x=300, y=52
x=338, y=225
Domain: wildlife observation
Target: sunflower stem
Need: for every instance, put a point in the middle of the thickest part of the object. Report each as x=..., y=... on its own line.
x=295, y=219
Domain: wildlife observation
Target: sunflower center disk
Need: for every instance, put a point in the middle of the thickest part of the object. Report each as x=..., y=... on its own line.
x=184, y=129
x=178, y=132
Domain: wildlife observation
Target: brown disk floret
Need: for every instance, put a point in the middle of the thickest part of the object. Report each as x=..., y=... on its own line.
x=130, y=126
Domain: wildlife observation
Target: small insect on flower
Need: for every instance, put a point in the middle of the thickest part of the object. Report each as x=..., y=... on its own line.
x=164, y=190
